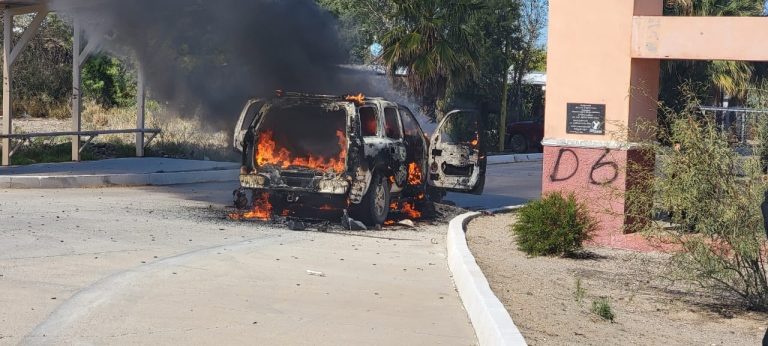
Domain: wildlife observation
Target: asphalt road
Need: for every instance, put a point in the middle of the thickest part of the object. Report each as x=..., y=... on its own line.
x=161, y=265
x=506, y=185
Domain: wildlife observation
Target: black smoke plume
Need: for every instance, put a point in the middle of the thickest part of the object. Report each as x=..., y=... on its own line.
x=206, y=58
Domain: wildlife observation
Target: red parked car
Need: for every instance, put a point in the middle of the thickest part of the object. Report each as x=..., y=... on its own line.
x=525, y=136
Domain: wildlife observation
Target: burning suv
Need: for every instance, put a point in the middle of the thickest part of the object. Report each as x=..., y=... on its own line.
x=364, y=155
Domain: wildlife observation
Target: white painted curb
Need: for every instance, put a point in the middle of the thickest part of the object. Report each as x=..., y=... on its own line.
x=106, y=180
x=506, y=159
x=491, y=321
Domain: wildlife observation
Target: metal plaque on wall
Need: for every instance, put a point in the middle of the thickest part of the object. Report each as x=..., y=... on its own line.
x=586, y=119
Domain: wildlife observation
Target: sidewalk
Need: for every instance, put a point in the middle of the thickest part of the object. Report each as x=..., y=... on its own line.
x=514, y=158
x=117, y=172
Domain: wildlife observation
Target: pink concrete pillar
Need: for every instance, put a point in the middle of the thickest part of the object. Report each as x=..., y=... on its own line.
x=596, y=95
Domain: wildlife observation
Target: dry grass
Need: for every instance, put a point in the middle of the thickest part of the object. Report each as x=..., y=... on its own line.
x=180, y=137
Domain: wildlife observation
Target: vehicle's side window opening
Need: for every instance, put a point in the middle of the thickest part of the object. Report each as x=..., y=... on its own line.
x=460, y=128
x=392, y=124
x=369, y=123
x=411, y=125
x=413, y=136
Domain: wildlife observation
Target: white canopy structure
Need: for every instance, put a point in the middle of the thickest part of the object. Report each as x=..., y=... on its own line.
x=82, y=50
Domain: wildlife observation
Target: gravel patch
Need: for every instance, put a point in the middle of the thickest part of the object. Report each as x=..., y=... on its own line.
x=541, y=296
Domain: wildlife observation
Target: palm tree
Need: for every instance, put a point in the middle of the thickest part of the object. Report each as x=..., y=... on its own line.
x=434, y=44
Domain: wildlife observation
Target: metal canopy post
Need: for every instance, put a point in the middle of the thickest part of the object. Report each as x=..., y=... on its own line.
x=10, y=53
x=141, y=94
x=7, y=109
x=77, y=108
x=79, y=57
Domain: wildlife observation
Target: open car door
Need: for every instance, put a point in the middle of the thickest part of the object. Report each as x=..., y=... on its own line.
x=247, y=117
x=457, y=156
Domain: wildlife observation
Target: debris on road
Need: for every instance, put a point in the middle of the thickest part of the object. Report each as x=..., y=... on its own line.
x=351, y=224
x=294, y=225
x=315, y=273
x=407, y=223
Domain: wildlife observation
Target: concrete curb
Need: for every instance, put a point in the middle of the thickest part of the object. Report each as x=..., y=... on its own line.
x=506, y=159
x=490, y=319
x=106, y=180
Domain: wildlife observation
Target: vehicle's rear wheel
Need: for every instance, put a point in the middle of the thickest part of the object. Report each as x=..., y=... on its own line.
x=518, y=143
x=374, y=208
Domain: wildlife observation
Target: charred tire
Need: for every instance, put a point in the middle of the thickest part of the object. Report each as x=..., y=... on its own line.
x=374, y=208
x=518, y=143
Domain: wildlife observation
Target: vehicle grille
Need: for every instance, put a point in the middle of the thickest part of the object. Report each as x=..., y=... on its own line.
x=299, y=179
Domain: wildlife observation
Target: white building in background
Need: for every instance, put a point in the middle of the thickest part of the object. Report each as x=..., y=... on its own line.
x=531, y=78
x=536, y=78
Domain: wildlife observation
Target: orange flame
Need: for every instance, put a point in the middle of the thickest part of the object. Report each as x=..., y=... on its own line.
x=415, y=176
x=269, y=153
x=326, y=207
x=410, y=210
x=359, y=98
x=261, y=210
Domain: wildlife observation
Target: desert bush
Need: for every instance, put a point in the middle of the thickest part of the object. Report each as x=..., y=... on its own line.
x=710, y=198
x=555, y=225
x=580, y=292
x=602, y=307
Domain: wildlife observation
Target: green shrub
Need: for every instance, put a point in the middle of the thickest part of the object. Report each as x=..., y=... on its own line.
x=602, y=308
x=555, y=225
x=706, y=198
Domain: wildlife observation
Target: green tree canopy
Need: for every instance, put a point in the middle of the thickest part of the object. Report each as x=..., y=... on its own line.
x=436, y=44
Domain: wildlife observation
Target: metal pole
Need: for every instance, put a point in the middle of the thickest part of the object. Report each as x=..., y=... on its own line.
x=7, y=97
x=744, y=128
x=76, y=84
x=140, y=111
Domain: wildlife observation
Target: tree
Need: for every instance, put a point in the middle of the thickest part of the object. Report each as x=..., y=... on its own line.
x=509, y=49
x=532, y=22
x=42, y=79
x=499, y=23
x=109, y=81
x=434, y=42
x=361, y=23
x=43, y=73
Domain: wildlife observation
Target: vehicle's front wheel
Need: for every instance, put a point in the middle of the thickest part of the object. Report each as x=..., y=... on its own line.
x=240, y=199
x=374, y=208
x=518, y=144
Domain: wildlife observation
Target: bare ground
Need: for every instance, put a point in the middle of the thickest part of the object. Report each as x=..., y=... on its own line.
x=541, y=296
x=36, y=125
